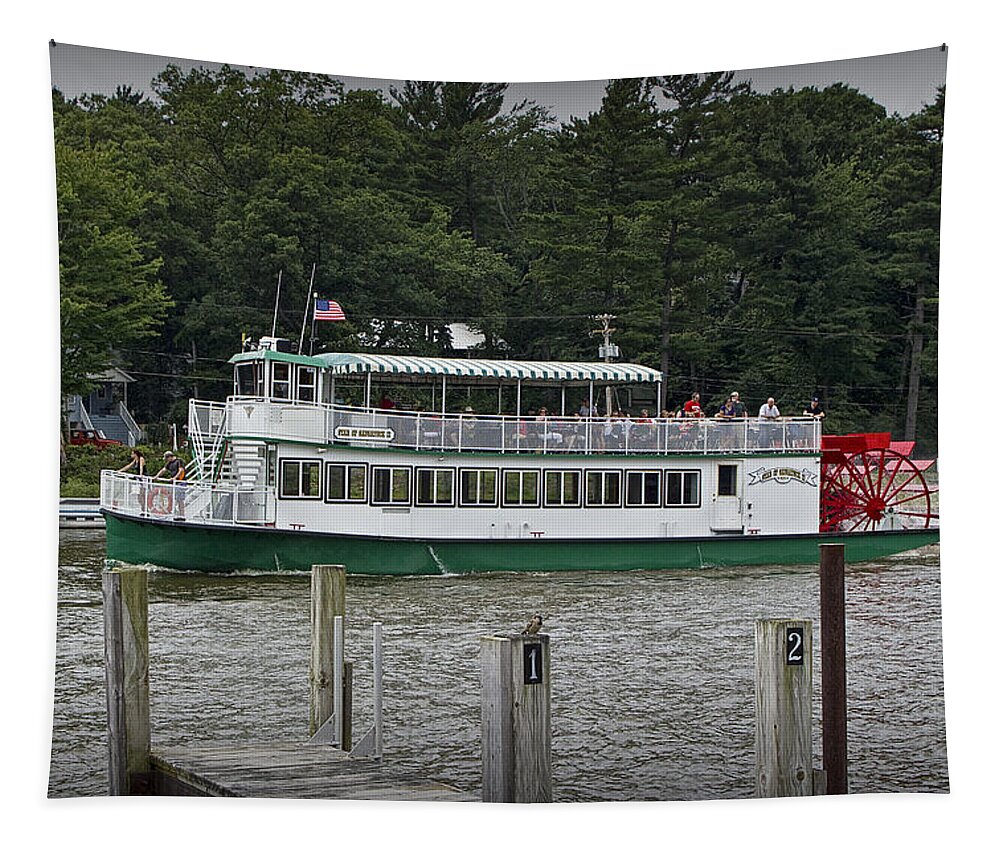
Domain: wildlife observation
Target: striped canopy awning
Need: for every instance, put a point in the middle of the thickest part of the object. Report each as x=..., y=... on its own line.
x=539, y=372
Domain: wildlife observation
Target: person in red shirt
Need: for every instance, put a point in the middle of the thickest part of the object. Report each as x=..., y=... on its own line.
x=692, y=407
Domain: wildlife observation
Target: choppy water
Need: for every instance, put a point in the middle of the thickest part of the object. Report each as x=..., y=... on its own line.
x=652, y=672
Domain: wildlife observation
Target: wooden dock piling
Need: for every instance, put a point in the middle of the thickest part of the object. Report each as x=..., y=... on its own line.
x=126, y=670
x=516, y=718
x=783, y=661
x=834, y=675
x=326, y=599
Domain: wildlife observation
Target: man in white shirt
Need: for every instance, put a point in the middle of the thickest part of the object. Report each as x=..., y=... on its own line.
x=769, y=411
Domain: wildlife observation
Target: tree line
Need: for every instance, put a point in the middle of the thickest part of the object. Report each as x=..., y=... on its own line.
x=781, y=244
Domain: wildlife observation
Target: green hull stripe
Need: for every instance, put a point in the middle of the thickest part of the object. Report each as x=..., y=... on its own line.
x=224, y=550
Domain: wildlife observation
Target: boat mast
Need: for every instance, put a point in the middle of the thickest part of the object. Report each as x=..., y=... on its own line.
x=305, y=312
x=277, y=298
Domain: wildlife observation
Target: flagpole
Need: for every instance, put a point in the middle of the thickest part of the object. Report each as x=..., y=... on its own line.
x=305, y=313
x=312, y=330
x=277, y=297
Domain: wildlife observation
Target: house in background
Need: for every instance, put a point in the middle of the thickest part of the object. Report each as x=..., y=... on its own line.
x=105, y=409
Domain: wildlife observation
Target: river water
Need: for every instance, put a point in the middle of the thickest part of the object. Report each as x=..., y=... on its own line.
x=652, y=672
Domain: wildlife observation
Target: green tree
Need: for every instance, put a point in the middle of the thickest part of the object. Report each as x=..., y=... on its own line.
x=588, y=249
x=909, y=190
x=109, y=292
x=686, y=217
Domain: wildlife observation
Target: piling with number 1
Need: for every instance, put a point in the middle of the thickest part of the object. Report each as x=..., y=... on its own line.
x=516, y=718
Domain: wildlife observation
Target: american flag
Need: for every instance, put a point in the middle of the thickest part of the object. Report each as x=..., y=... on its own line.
x=328, y=310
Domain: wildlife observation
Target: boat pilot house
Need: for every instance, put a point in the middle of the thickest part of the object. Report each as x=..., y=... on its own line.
x=392, y=464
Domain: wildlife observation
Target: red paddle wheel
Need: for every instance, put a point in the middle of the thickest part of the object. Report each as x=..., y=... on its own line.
x=869, y=477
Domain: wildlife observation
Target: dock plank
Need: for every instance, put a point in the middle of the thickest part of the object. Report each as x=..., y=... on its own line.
x=291, y=770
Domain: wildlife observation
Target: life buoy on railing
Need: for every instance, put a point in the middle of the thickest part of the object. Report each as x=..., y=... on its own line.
x=161, y=499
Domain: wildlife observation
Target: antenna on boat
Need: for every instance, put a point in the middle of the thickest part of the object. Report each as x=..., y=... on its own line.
x=277, y=298
x=608, y=350
x=305, y=313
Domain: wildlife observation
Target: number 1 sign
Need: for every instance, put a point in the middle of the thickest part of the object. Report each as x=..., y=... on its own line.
x=532, y=664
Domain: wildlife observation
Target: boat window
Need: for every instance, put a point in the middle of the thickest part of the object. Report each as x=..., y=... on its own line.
x=727, y=480
x=300, y=480
x=684, y=488
x=307, y=384
x=435, y=487
x=390, y=485
x=345, y=482
x=479, y=487
x=562, y=487
x=281, y=380
x=249, y=379
x=520, y=487
x=642, y=488
x=604, y=487
x=272, y=465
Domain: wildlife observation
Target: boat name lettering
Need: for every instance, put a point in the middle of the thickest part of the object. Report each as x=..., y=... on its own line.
x=783, y=475
x=361, y=433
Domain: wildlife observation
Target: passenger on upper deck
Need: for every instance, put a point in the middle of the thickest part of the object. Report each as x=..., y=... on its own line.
x=727, y=410
x=725, y=439
x=769, y=415
x=800, y=434
x=814, y=409
x=642, y=430
x=692, y=407
x=769, y=411
x=739, y=407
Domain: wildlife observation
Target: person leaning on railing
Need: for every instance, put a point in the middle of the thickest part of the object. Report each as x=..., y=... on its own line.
x=769, y=416
x=814, y=410
x=138, y=463
x=173, y=466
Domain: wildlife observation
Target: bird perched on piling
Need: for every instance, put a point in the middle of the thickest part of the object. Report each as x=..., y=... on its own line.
x=533, y=626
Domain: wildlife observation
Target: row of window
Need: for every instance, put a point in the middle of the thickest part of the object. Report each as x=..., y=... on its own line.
x=250, y=381
x=491, y=486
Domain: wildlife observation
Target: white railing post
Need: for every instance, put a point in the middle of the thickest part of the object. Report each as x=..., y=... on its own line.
x=377, y=686
x=338, y=674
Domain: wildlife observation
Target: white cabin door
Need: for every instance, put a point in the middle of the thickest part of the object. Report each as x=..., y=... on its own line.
x=727, y=499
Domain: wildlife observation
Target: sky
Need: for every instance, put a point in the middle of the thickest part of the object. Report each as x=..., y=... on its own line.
x=514, y=40
x=902, y=82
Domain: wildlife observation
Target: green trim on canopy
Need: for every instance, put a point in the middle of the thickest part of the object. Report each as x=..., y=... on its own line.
x=268, y=354
x=474, y=368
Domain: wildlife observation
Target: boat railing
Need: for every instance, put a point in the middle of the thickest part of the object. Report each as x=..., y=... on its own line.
x=467, y=432
x=207, y=429
x=217, y=503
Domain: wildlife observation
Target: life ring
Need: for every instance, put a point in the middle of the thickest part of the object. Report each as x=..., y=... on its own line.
x=161, y=500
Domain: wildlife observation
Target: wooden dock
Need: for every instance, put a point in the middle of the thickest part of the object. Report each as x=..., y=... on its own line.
x=325, y=766
x=288, y=770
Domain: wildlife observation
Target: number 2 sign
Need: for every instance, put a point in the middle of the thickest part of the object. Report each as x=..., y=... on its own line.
x=794, y=645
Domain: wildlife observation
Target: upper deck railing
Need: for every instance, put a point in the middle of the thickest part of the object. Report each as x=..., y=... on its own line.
x=441, y=432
